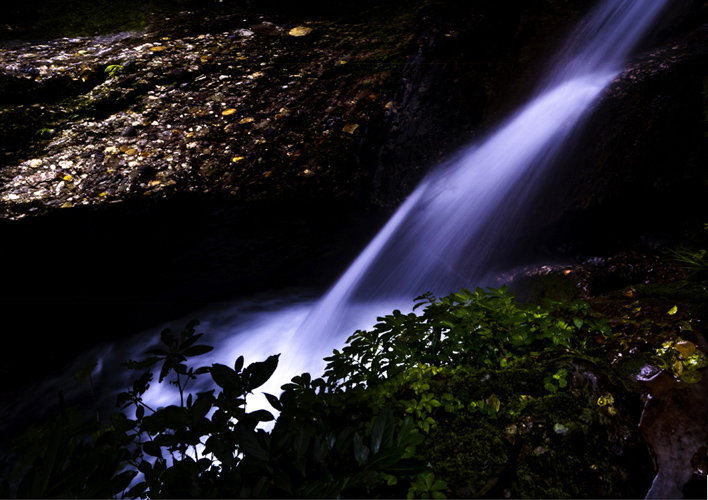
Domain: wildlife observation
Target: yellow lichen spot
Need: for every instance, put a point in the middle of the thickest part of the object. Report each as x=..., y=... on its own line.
x=268, y=173
x=236, y=158
x=131, y=151
x=300, y=31
x=205, y=58
x=677, y=368
x=102, y=195
x=248, y=119
x=606, y=400
x=153, y=183
x=612, y=411
x=685, y=348
x=158, y=48
x=350, y=128
x=67, y=177
x=493, y=401
x=228, y=112
x=672, y=311
x=67, y=204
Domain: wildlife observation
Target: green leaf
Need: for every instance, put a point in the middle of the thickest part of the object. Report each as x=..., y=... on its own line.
x=258, y=373
x=167, y=338
x=152, y=449
x=238, y=365
x=274, y=401
x=385, y=458
x=382, y=430
x=247, y=440
x=226, y=378
x=260, y=416
x=361, y=452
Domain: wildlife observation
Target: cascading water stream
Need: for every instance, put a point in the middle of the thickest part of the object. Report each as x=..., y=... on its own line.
x=447, y=233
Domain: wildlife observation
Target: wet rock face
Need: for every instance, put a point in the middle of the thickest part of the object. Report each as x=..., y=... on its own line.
x=258, y=108
x=250, y=109
x=641, y=170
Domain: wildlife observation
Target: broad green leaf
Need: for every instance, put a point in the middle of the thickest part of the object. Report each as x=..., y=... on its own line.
x=382, y=430
x=248, y=443
x=226, y=378
x=258, y=373
x=260, y=416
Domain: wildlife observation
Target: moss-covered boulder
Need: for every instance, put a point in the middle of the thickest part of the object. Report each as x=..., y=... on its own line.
x=556, y=426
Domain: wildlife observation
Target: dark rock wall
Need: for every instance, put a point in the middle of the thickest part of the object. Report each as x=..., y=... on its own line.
x=640, y=172
x=474, y=63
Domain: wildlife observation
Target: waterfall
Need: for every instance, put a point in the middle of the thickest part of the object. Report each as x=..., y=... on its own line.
x=448, y=232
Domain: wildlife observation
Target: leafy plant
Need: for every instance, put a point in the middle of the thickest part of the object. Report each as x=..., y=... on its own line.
x=210, y=444
x=556, y=381
x=114, y=69
x=353, y=432
x=480, y=328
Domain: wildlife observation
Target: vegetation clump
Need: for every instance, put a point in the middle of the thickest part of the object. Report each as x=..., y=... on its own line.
x=476, y=395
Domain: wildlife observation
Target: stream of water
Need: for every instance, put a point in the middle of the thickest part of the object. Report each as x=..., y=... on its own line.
x=448, y=232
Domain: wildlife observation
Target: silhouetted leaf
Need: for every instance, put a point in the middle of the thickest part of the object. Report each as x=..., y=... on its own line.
x=197, y=350
x=247, y=440
x=258, y=373
x=274, y=401
x=226, y=378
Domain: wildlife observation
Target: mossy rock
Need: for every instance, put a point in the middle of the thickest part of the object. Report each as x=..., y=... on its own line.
x=553, y=286
x=564, y=429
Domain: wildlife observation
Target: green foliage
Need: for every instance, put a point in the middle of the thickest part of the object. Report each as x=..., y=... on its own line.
x=210, y=444
x=556, y=381
x=113, y=69
x=360, y=430
x=682, y=359
x=58, y=461
x=694, y=260
x=480, y=328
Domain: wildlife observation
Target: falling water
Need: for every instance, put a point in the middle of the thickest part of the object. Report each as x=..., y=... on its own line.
x=447, y=233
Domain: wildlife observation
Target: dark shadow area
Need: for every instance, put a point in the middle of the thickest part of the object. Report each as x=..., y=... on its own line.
x=78, y=277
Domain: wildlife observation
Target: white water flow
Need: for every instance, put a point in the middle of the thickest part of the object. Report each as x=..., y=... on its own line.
x=446, y=235
x=449, y=231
